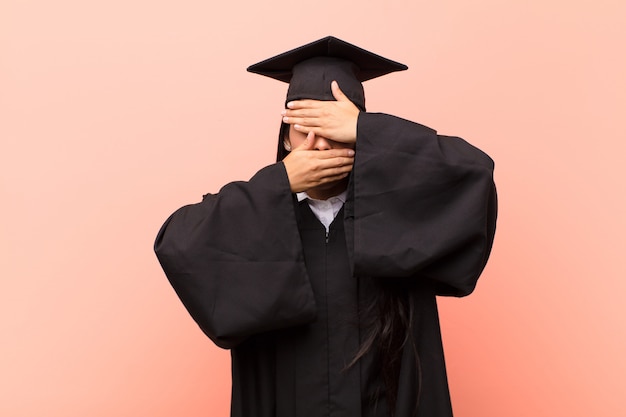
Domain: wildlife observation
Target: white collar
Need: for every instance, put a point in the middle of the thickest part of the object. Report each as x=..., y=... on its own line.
x=340, y=197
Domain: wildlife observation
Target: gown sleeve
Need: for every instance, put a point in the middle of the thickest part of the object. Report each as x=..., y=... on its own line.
x=424, y=206
x=236, y=261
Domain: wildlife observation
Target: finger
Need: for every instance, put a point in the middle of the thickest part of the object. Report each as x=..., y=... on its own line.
x=318, y=130
x=338, y=163
x=333, y=167
x=307, y=129
x=308, y=144
x=333, y=174
x=328, y=175
x=315, y=162
x=303, y=121
x=303, y=113
x=303, y=104
x=337, y=93
x=335, y=153
x=337, y=177
x=310, y=140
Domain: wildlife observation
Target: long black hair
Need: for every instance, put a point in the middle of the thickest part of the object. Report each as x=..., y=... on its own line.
x=389, y=319
x=283, y=134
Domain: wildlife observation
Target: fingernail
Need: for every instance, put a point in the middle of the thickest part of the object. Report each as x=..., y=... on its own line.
x=290, y=104
x=350, y=152
x=284, y=112
x=286, y=119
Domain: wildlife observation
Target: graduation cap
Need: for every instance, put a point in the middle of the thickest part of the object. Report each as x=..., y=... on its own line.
x=309, y=69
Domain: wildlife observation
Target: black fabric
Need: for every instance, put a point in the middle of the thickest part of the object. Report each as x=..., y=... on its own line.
x=370, y=64
x=236, y=262
x=253, y=268
x=312, y=79
x=309, y=69
x=324, y=347
x=434, y=218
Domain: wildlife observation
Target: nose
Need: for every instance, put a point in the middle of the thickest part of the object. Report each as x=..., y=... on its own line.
x=322, y=144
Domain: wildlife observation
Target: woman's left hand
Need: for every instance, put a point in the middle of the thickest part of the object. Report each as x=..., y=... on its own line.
x=334, y=120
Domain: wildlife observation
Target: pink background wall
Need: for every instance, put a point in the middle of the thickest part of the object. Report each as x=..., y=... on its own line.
x=114, y=113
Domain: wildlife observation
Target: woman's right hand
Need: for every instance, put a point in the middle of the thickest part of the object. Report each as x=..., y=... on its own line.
x=309, y=168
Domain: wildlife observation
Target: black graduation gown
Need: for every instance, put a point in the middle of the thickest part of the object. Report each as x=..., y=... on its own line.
x=257, y=273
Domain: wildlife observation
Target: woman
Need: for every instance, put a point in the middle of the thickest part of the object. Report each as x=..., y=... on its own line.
x=320, y=273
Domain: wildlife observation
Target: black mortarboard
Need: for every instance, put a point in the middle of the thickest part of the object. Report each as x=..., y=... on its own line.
x=309, y=69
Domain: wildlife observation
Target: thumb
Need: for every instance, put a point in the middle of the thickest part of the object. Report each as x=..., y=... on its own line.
x=308, y=143
x=337, y=93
